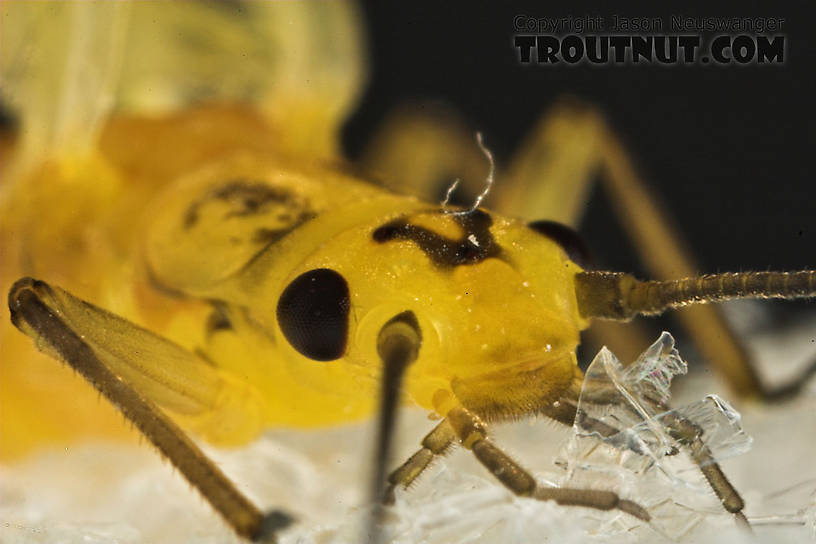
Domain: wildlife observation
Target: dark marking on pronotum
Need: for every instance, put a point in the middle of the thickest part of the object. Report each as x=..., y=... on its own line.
x=569, y=240
x=475, y=245
x=270, y=236
x=245, y=198
x=313, y=314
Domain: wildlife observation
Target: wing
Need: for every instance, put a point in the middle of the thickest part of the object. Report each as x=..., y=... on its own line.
x=208, y=400
x=59, y=63
x=67, y=65
x=300, y=63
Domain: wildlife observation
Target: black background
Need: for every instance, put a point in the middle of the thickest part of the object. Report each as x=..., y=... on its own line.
x=728, y=149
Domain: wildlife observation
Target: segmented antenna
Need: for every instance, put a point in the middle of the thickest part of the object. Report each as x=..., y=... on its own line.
x=398, y=346
x=613, y=295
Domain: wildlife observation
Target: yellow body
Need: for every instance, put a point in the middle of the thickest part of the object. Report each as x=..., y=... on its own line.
x=176, y=175
x=499, y=333
x=96, y=202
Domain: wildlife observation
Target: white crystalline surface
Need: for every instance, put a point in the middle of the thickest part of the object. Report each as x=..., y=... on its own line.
x=621, y=440
x=102, y=493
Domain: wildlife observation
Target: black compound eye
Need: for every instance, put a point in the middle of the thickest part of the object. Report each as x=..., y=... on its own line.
x=313, y=313
x=569, y=240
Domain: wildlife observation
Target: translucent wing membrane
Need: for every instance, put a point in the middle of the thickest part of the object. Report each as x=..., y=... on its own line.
x=624, y=440
x=67, y=65
x=60, y=64
x=206, y=398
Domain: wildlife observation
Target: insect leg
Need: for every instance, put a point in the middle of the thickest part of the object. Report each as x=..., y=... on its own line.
x=690, y=435
x=436, y=443
x=792, y=388
x=686, y=432
x=472, y=434
x=43, y=313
